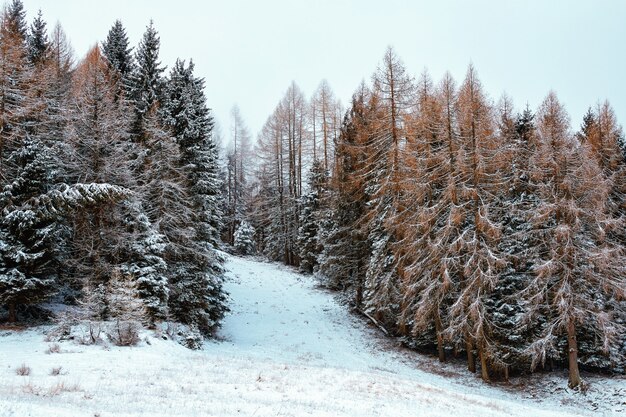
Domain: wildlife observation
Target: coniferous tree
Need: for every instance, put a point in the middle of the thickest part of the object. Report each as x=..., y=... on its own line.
x=38, y=44
x=392, y=97
x=117, y=51
x=244, y=239
x=577, y=268
x=196, y=297
x=313, y=212
x=117, y=237
x=343, y=260
x=146, y=79
x=16, y=19
x=118, y=54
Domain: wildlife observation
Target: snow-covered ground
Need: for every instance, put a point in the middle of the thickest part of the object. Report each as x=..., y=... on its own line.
x=288, y=349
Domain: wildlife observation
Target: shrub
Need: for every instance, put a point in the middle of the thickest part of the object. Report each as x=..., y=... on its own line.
x=124, y=333
x=23, y=370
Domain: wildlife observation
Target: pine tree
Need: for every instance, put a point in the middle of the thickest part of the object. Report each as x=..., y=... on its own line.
x=118, y=54
x=118, y=236
x=14, y=76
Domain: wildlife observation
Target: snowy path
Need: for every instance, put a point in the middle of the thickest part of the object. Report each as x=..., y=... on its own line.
x=289, y=350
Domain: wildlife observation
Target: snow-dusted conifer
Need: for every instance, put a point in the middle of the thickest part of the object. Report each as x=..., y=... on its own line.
x=197, y=297
x=146, y=78
x=244, y=239
x=38, y=44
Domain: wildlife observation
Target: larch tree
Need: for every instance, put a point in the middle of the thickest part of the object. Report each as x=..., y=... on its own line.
x=482, y=262
x=238, y=168
x=282, y=149
x=393, y=97
x=324, y=124
x=577, y=269
x=417, y=247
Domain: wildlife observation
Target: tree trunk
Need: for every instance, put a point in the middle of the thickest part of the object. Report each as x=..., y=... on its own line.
x=471, y=362
x=12, y=315
x=484, y=367
x=440, y=348
x=572, y=345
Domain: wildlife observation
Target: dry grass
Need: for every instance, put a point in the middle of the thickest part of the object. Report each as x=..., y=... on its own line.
x=53, y=348
x=23, y=370
x=56, y=371
x=62, y=387
x=53, y=391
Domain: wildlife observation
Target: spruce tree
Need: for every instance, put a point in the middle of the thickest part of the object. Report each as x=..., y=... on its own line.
x=15, y=18
x=146, y=79
x=312, y=214
x=38, y=44
x=117, y=51
x=345, y=251
x=196, y=297
x=244, y=239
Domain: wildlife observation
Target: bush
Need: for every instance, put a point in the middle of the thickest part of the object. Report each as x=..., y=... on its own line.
x=124, y=333
x=53, y=348
x=23, y=370
x=56, y=371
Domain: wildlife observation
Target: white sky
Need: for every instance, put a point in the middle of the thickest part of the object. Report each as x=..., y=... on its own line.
x=249, y=51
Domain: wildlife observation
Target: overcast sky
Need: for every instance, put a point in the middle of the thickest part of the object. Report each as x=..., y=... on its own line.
x=249, y=51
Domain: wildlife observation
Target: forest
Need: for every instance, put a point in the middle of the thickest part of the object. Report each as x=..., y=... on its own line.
x=110, y=180
x=461, y=225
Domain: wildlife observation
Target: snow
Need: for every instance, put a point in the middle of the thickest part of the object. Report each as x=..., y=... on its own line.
x=286, y=349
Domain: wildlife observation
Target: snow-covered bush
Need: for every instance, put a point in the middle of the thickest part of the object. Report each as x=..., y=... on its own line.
x=124, y=333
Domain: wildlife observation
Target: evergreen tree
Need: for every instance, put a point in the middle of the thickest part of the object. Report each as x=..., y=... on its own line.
x=117, y=51
x=118, y=54
x=15, y=17
x=244, y=239
x=196, y=297
x=345, y=251
x=116, y=237
x=38, y=44
x=191, y=123
x=146, y=79
x=312, y=215
x=27, y=262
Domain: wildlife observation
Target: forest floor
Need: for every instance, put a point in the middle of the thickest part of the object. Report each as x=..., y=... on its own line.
x=287, y=348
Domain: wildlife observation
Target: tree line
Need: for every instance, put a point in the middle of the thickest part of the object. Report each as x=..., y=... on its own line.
x=453, y=221
x=109, y=178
